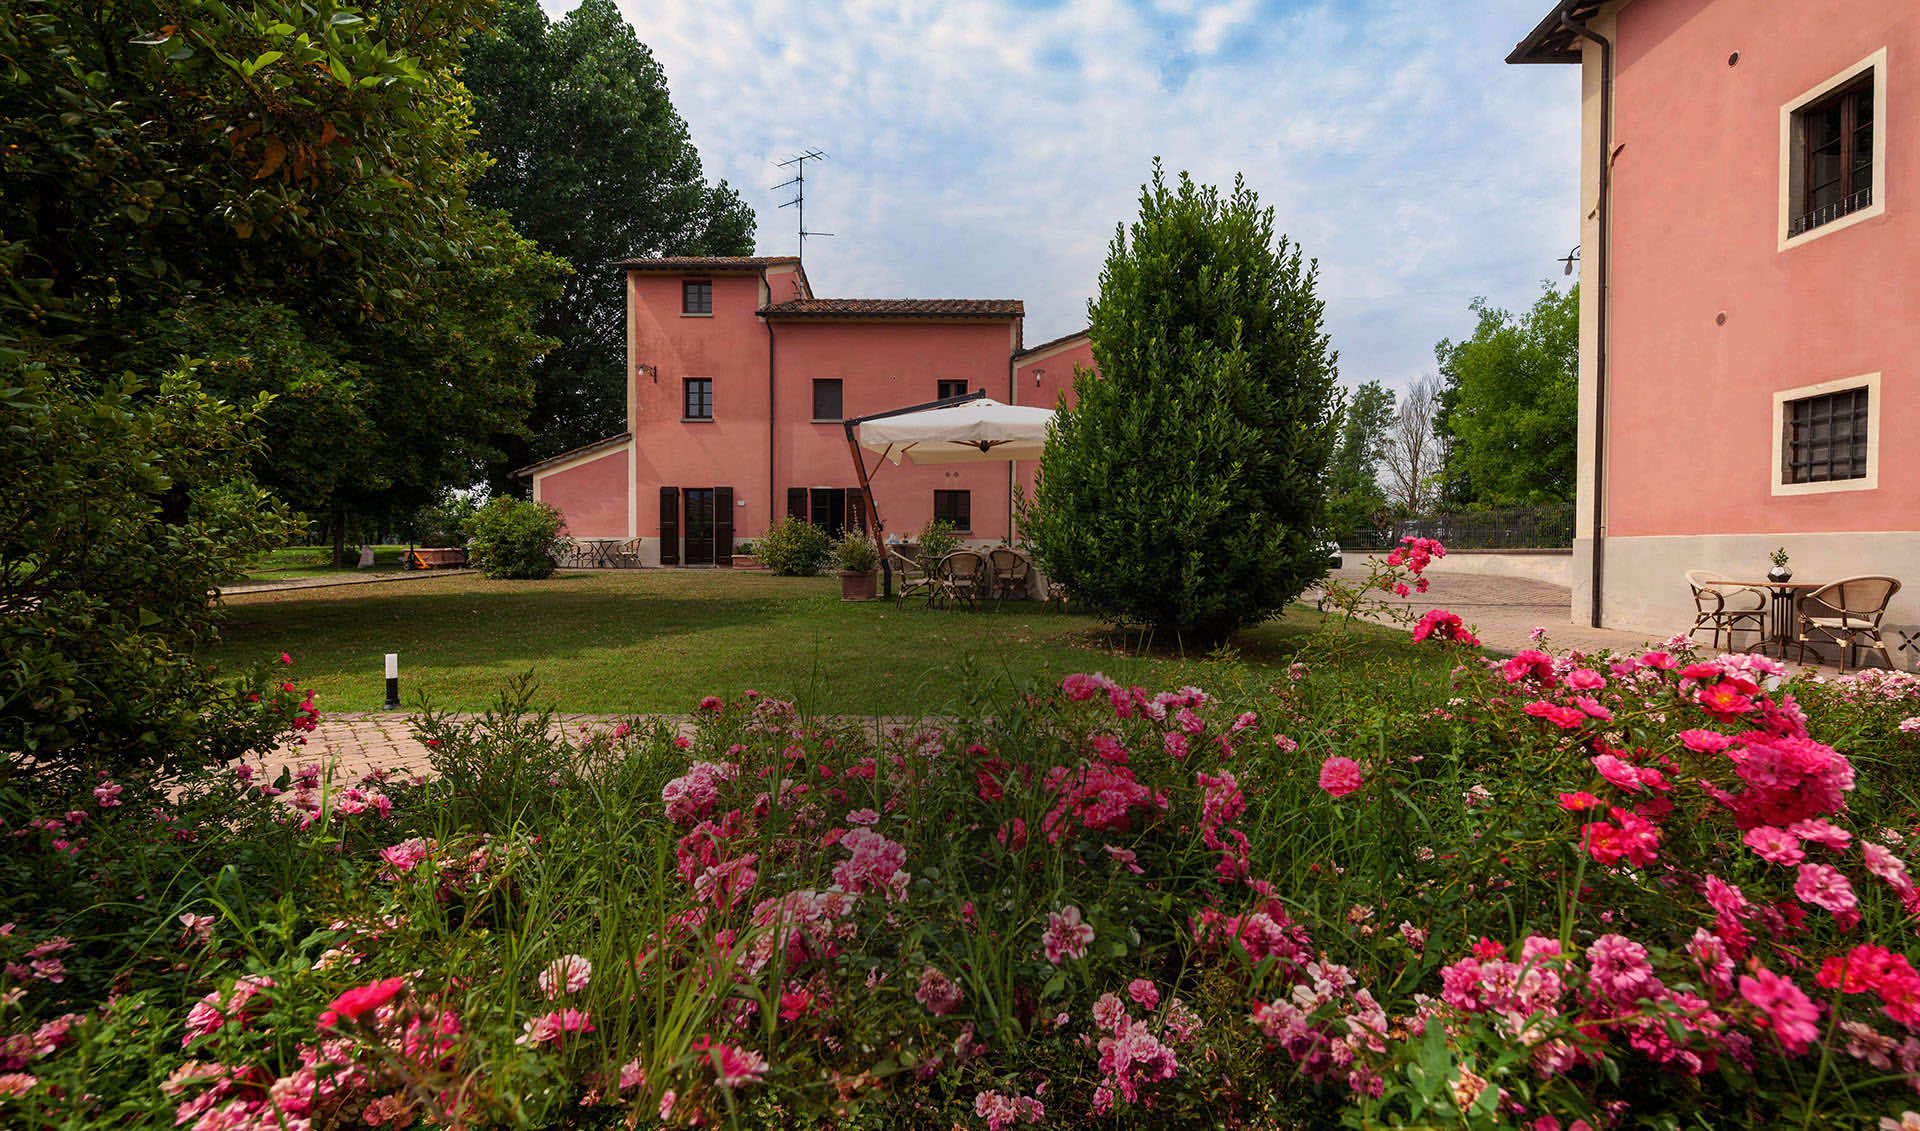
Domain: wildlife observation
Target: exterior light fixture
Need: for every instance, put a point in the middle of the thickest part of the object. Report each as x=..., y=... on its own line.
x=1036, y=377
x=652, y=371
x=1571, y=258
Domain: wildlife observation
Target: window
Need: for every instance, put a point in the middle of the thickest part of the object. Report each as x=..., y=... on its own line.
x=696, y=296
x=1833, y=153
x=699, y=398
x=952, y=389
x=826, y=399
x=1826, y=437
x=955, y=507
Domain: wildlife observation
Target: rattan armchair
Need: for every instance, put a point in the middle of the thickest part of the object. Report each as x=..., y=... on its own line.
x=1847, y=614
x=962, y=576
x=1726, y=607
x=909, y=579
x=1011, y=571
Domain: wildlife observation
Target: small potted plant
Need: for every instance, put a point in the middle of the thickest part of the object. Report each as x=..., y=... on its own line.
x=858, y=559
x=1779, y=572
x=747, y=556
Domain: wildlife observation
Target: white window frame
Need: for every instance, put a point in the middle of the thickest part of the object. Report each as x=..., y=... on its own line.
x=1790, y=150
x=1868, y=381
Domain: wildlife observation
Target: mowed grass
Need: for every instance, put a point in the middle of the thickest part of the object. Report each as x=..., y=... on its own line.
x=291, y=563
x=656, y=641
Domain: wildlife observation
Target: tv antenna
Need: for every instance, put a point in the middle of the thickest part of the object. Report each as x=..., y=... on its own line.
x=798, y=184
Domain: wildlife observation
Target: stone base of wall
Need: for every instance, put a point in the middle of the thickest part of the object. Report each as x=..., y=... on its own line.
x=1645, y=588
x=1552, y=566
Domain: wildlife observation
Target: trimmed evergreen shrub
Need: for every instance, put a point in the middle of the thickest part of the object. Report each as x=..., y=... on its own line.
x=515, y=538
x=794, y=548
x=1183, y=489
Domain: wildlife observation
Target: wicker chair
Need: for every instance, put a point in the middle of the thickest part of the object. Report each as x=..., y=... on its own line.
x=1723, y=606
x=1011, y=572
x=909, y=579
x=1847, y=613
x=962, y=576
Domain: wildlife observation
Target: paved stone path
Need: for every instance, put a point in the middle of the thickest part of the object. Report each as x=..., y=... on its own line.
x=330, y=580
x=1504, y=610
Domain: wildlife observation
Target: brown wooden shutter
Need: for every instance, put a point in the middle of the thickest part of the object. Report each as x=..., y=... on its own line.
x=723, y=526
x=797, y=504
x=856, y=509
x=669, y=526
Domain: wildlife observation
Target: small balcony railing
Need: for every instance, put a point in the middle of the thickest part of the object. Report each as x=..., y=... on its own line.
x=1831, y=212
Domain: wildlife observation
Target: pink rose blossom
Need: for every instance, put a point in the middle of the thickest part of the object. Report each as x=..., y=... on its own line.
x=1066, y=935
x=1340, y=776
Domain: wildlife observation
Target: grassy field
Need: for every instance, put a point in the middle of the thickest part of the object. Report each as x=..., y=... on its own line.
x=292, y=562
x=658, y=640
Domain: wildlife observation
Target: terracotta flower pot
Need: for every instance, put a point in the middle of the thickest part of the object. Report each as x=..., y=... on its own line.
x=747, y=561
x=856, y=586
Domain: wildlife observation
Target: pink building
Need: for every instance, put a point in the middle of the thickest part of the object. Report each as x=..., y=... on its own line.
x=1750, y=300
x=738, y=379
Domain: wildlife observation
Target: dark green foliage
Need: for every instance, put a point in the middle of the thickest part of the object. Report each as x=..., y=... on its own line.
x=1184, y=489
x=592, y=162
x=937, y=540
x=514, y=538
x=794, y=548
x=1511, y=404
x=280, y=188
x=443, y=522
x=123, y=509
x=854, y=552
x=1355, y=501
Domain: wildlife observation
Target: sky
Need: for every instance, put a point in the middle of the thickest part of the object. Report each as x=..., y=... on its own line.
x=988, y=149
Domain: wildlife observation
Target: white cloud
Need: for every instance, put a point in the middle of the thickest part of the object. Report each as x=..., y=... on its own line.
x=987, y=148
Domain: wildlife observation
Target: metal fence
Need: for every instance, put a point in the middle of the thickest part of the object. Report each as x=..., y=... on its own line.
x=1516, y=528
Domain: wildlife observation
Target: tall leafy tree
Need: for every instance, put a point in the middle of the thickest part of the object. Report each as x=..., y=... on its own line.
x=1184, y=489
x=1510, y=405
x=280, y=187
x=590, y=160
x=1355, y=499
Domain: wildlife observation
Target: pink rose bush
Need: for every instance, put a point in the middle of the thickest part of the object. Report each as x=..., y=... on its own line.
x=1547, y=891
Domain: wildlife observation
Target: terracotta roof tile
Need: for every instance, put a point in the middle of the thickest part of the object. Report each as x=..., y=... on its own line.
x=570, y=453
x=707, y=262
x=1051, y=342
x=896, y=308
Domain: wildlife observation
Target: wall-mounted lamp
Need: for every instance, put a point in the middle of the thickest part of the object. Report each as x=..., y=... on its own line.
x=1571, y=258
x=652, y=371
x=1036, y=377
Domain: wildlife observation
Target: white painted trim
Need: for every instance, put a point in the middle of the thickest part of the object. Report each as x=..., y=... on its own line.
x=633, y=495
x=1867, y=381
x=1051, y=351
x=1877, y=63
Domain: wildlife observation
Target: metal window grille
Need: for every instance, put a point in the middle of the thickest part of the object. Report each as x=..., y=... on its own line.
x=1826, y=438
x=696, y=297
x=699, y=398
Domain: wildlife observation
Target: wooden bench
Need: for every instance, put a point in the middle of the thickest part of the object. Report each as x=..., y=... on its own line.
x=452, y=558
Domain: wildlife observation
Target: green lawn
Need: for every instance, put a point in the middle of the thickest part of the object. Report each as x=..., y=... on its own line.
x=658, y=640
x=292, y=562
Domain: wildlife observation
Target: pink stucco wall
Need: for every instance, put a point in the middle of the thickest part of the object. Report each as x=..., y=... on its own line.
x=730, y=347
x=884, y=365
x=1696, y=227
x=1054, y=369
x=591, y=495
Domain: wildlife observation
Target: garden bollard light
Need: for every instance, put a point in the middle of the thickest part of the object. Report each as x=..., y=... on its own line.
x=393, y=681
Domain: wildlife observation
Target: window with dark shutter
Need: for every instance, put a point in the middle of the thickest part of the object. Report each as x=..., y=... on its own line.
x=1833, y=138
x=696, y=296
x=797, y=503
x=955, y=507
x=669, y=526
x=699, y=404
x=826, y=398
x=952, y=389
x=1825, y=437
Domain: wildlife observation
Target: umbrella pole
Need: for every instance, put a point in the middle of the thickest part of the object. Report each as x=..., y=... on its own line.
x=873, y=513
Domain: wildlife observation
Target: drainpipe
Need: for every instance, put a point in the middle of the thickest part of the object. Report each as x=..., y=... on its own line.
x=773, y=490
x=1600, y=304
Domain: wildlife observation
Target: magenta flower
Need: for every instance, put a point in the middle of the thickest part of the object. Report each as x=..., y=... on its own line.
x=1340, y=776
x=1066, y=936
x=1783, y=1008
x=1825, y=888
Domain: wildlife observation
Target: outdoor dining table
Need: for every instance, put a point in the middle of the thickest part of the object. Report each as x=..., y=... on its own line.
x=1783, y=608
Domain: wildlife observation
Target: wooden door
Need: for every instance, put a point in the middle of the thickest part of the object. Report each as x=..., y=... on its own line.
x=723, y=526
x=830, y=510
x=669, y=526
x=699, y=525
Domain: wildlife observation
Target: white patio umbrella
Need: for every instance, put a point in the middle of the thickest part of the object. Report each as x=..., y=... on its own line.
x=974, y=431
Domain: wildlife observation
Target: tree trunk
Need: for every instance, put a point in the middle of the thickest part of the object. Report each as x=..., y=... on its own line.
x=339, y=536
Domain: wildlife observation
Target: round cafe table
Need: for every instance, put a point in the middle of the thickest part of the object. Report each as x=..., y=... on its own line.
x=1783, y=611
